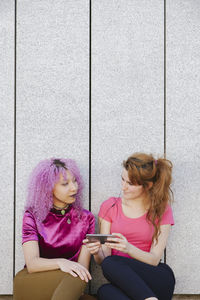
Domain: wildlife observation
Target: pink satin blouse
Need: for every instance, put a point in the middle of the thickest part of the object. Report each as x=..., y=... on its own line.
x=59, y=236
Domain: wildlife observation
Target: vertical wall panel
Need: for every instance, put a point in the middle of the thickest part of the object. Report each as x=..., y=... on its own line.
x=183, y=139
x=6, y=145
x=52, y=90
x=127, y=89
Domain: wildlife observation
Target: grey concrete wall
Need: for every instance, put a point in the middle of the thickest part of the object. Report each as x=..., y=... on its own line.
x=7, y=143
x=183, y=139
x=52, y=90
x=127, y=107
x=127, y=91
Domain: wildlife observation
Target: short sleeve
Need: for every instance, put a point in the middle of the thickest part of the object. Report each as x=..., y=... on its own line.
x=29, y=228
x=105, y=211
x=91, y=228
x=167, y=217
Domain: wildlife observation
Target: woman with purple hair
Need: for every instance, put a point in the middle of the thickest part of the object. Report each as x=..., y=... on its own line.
x=54, y=226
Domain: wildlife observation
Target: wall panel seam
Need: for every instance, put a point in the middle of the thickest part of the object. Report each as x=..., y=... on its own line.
x=90, y=110
x=165, y=72
x=90, y=100
x=15, y=116
x=165, y=145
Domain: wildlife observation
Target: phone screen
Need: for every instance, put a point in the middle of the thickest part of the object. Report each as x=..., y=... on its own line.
x=98, y=237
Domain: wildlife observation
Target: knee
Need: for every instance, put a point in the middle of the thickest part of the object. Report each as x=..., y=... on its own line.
x=69, y=288
x=108, y=265
x=76, y=282
x=102, y=291
x=18, y=283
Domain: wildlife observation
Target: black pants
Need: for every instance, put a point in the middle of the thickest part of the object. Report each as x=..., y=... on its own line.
x=135, y=280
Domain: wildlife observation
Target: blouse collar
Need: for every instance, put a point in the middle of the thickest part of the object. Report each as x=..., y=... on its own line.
x=61, y=212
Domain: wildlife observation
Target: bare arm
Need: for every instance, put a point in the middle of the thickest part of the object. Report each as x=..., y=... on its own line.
x=35, y=263
x=153, y=257
x=84, y=257
x=33, y=260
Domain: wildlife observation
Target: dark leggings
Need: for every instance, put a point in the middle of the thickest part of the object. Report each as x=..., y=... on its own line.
x=135, y=280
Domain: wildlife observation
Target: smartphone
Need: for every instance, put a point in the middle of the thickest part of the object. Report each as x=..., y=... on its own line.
x=99, y=237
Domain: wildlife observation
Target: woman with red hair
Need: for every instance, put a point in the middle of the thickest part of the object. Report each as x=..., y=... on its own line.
x=140, y=223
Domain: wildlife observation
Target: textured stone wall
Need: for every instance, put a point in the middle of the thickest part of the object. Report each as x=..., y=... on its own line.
x=128, y=93
x=127, y=108
x=183, y=139
x=6, y=143
x=52, y=90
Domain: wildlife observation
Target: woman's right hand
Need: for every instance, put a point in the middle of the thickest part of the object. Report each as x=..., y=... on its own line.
x=93, y=248
x=74, y=268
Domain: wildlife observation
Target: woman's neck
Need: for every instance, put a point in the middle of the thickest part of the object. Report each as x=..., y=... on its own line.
x=60, y=208
x=134, y=208
x=141, y=203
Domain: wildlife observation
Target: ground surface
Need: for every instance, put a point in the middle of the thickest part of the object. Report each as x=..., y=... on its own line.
x=177, y=297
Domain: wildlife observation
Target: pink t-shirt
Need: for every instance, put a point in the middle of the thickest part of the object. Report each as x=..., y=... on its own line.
x=138, y=231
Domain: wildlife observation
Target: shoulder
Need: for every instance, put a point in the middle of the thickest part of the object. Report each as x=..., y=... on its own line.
x=168, y=217
x=88, y=220
x=28, y=218
x=29, y=228
x=87, y=213
x=86, y=216
x=108, y=209
x=168, y=210
x=109, y=203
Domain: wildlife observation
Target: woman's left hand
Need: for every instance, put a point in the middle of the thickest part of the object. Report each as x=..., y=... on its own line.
x=118, y=242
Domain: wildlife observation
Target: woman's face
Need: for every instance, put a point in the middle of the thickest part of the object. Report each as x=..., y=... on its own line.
x=65, y=190
x=130, y=191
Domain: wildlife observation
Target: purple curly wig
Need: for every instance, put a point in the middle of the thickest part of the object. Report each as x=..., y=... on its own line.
x=42, y=180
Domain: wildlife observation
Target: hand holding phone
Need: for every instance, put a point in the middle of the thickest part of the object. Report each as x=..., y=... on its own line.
x=121, y=243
